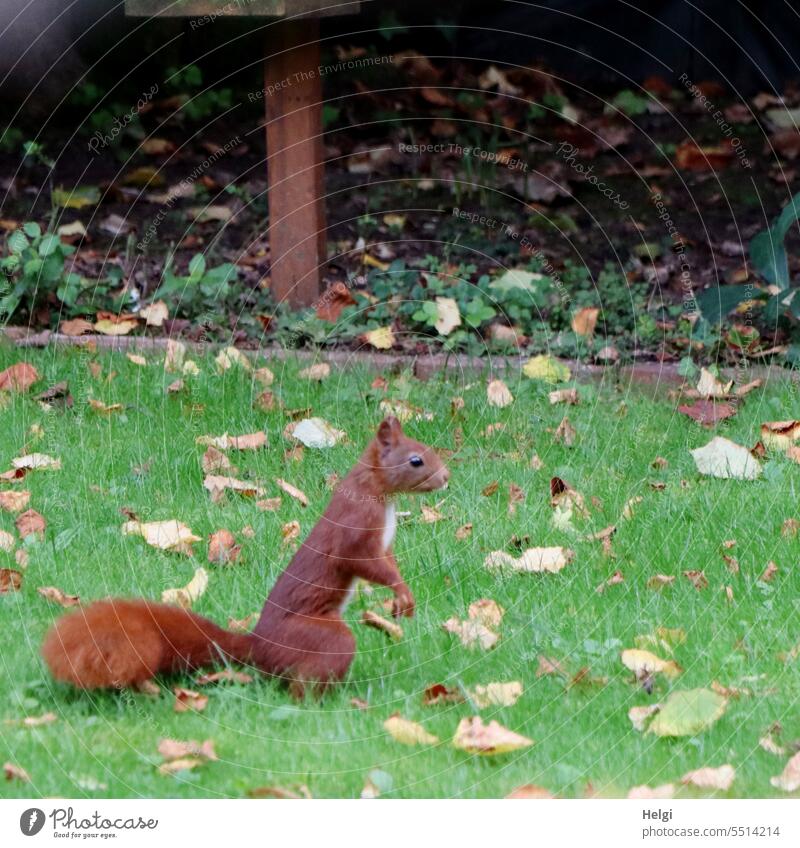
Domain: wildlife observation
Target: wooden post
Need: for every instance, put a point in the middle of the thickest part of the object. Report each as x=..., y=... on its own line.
x=296, y=177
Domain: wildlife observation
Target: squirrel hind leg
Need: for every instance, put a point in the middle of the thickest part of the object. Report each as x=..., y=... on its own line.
x=104, y=646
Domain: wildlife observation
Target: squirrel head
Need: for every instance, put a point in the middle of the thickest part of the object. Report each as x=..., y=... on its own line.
x=407, y=465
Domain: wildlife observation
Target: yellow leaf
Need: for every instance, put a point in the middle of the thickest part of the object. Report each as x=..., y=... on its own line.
x=710, y=387
x=498, y=394
x=496, y=694
x=319, y=371
x=533, y=560
x=171, y=535
x=711, y=778
x=475, y=737
x=449, y=316
x=643, y=663
x=408, y=732
x=155, y=314
x=187, y=595
x=230, y=357
x=546, y=368
x=585, y=320
x=381, y=338
x=115, y=328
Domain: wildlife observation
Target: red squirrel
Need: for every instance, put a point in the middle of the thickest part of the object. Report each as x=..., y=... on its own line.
x=300, y=636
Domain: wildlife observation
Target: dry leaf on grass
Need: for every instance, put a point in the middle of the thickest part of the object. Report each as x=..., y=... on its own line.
x=249, y=441
x=182, y=764
x=188, y=594
x=314, y=433
x=36, y=461
x=639, y=716
x=76, y=327
x=381, y=338
x=51, y=593
x=188, y=699
x=430, y=515
x=173, y=749
x=170, y=535
x=496, y=694
x=215, y=460
x=487, y=612
x=644, y=664
x=647, y=793
x=498, y=394
x=228, y=675
x=281, y=792
x=155, y=314
x=319, y=371
x=530, y=792
x=269, y=504
x=658, y=581
x=475, y=737
x=697, y=579
x=710, y=386
x=533, y=560
x=30, y=523
x=472, y=633
x=232, y=357
x=789, y=779
x=290, y=531
x=565, y=433
x=708, y=413
x=10, y=580
x=720, y=778
x=218, y=484
x=12, y=772
x=725, y=459
x=11, y=501
x=18, y=378
x=292, y=491
x=222, y=548
x=569, y=396
x=107, y=327
x=105, y=408
x=780, y=435
x=408, y=732
x=438, y=693
x=393, y=630
x=7, y=542
x=463, y=532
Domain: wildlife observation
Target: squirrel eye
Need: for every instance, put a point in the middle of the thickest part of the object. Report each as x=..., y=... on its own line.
x=416, y=461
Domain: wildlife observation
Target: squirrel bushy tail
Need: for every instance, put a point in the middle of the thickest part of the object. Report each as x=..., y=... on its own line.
x=118, y=643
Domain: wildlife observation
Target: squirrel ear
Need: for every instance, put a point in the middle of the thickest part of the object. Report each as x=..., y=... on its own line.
x=389, y=431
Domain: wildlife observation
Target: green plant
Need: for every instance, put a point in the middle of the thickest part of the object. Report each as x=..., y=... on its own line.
x=35, y=273
x=202, y=103
x=202, y=289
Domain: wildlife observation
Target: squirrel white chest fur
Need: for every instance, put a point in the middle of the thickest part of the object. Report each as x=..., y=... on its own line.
x=390, y=525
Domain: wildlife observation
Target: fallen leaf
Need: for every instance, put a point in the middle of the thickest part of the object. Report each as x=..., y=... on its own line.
x=182, y=764
x=659, y=581
x=76, y=327
x=547, y=369
x=708, y=413
x=30, y=523
x=449, y=316
x=319, y=371
x=463, y=532
x=10, y=580
x=490, y=489
x=639, y=716
x=789, y=527
x=175, y=357
x=393, y=630
x=136, y=359
x=231, y=357
x=215, y=460
x=18, y=378
x=710, y=386
x=720, y=778
x=227, y=675
x=381, y=338
x=532, y=560
x=438, y=693
x=430, y=515
x=496, y=694
x=725, y=459
x=516, y=496
x=11, y=501
x=584, y=320
x=498, y=394
x=218, y=484
x=643, y=663
x=51, y=593
x=687, y=713
x=569, y=396
x=696, y=578
x=769, y=744
x=170, y=535
x=647, y=793
x=475, y=737
x=690, y=156
x=780, y=435
x=107, y=327
x=290, y=532
x=155, y=314
x=280, y=792
x=269, y=504
x=314, y=433
x=565, y=433
x=530, y=792
x=404, y=411
x=472, y=633
x=13, y=772
x=627, y=510
x=222, y=548
x=209, y=214
x=292, y=491
x=7, y=541
x=173, y=749
x=408, y=732
x=789, y=779
x=188, y=699
x=33, y=461
x=769, y=572
x=487, y=612
x=186, y=596
x=105, y=409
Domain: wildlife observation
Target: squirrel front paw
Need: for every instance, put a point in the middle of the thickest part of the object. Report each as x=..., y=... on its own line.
x=403, y=604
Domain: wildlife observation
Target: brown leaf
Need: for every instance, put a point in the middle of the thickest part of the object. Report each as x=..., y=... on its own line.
x=188, y=699
x=489, y=490
x=569, y=396
x=408, y=732
x=780, y=434
x=182, y=764
x=464, y=532
x=217, y=485
x=789, y=527
x=11, y=501
x=565, y=433
x=697, y=579
x=438, y=693
x=475, y=737
x=215, y=461
x=530, y=792
x=498, y=394
x=10, y=580
x=18, y=378
x=393, y=630
x=547, y=666
x=290, y=531
x=646, y=793
x=280, y=792
x=615, y=578
x=173, y=749
x=105, y=409
x=222, y=548
x=319, y=371
x=30, y=523
x=689, y=156
x=769, y=572
x=659, y=581
x=585, y=320
x=292, y=491
x=708, y=412
x=333, y=301
x=265, y=402
x=76, y=327
x=13, y=772
x=51, y=593
x=269, y=504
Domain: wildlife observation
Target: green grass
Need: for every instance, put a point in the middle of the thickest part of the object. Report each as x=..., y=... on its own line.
x=582, y=733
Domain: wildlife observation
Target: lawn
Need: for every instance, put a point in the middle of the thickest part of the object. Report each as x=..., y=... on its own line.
x=144, y=458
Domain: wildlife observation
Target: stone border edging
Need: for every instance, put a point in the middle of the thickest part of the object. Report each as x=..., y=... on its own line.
x=651, y=374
